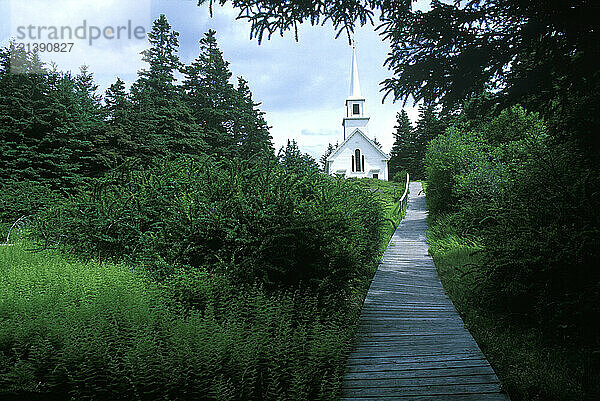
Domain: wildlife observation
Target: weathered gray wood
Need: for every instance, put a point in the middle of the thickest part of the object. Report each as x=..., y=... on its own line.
x=471, y=370
x=376, y=365
x=431, y=397
x=411, y=344
x=417, y=389
x=476, y=378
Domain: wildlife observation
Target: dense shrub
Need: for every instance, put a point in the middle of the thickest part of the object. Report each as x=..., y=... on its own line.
x=24, y=198
x=399, y=177
x=448, y=156
x=536, y=216
x=256, y=224
x=106, y=332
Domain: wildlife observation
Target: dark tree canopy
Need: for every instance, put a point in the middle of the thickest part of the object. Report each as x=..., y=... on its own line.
x=273, y=16
x=58, y=131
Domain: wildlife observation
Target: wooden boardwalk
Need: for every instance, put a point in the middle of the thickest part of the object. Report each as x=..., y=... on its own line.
x=411, y=343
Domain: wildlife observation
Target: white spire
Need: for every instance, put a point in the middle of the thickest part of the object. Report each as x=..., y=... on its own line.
x=354, y=84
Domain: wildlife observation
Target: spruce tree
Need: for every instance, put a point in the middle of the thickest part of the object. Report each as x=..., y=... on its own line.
x=294, y=161
x=429, y=125
x=164, y=123
x=404, y=155
x=211, y=97
x=251, y=131
x=323, y=160
x=36, y=121
x=89, y=124
x=116, y=142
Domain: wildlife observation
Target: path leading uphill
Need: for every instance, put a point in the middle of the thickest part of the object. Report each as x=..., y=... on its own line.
x=411, y=343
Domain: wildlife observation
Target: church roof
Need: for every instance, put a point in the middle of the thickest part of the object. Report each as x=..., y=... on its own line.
x=343, y=144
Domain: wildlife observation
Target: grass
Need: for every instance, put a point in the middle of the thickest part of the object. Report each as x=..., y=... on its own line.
x=390, y=193
x=529, y=366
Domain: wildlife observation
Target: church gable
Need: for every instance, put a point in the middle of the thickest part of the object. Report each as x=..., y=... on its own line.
x=358, y=157
x=358, y=138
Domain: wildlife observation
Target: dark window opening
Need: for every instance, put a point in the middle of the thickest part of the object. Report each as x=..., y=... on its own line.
x=357, y=160
x=352, y=163
x=375, y=175
x=355, y=109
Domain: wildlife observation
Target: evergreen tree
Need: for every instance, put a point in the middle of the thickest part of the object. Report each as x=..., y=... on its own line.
x=162, y=59
x=429, y=125
x=323, y=160
x=404, y=155
x=37, y=139
x=164, y=123
x=294, y=161
x=89, y=124
x=115, y=143
x=211, y=97
x=251, y=131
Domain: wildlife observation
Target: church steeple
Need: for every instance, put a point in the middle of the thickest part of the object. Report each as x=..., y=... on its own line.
x=355, y=103
x=354, y=83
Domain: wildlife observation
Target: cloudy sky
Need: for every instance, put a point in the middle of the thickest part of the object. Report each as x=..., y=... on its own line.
x=301, y=85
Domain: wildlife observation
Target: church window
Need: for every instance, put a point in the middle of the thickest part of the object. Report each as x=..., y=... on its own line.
x=355, y=109
x=352, y=163
x=358, y=160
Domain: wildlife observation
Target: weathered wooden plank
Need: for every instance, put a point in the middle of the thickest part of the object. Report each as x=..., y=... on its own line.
x=425, y=357
x=443, y=397
x=424, y=390
x=376, y=336
x=410, y=342
x=471, y=370
x=391, y=352
x=376, y=381
x=405, y=343
x=364, y=367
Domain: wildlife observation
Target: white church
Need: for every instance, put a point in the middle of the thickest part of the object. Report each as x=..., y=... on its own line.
x=357, y=156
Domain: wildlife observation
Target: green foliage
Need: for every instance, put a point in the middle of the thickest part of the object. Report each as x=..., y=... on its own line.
x=323, y=160
x=277, y=224
x=404, y=155
x=107, y=332
x=524, y=196
x=164, y=121
x=410, y=143
x=250, y=128
x=448, y=156
x=40, y=135
x=294, y=161
x=399, y=177
x=211, y=97
x=117, y=142
x=24, y=198
x=530, y=364
x=389, y=194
